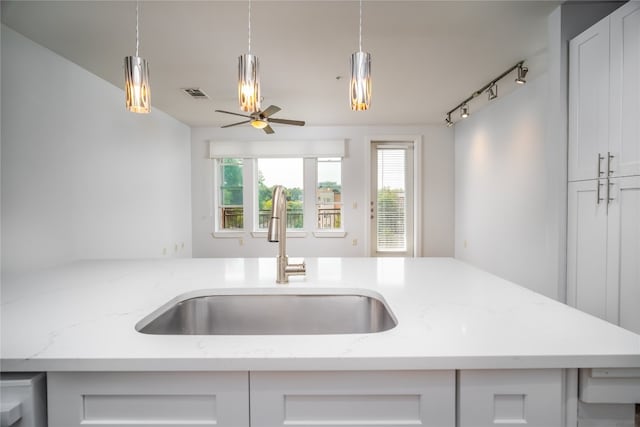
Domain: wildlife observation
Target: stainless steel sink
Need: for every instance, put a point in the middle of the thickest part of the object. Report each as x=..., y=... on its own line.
x=270, y=314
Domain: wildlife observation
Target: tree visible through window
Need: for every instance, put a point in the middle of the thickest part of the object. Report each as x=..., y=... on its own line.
x=287, y=172
x=329, y=194
x=231, y=213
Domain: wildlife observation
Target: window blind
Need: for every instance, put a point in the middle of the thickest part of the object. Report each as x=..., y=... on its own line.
x=276, y=149
x=391, y=218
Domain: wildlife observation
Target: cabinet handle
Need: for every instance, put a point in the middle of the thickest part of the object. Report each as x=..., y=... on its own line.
x=600, y=159
x=598, y=198
x=609, y=170
x=609, y=184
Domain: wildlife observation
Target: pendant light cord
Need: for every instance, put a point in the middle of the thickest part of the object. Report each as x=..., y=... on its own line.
x=360, y=32
x=137, y=37
x=249, y=28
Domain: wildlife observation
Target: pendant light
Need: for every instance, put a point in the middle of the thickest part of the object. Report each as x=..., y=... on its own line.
x=136, y=79
x=360, y=85
x=249, y=78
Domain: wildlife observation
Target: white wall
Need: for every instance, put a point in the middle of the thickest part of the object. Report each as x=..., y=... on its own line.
x=437, y=189
x=511, y=169
x=505, y=218
x=81, y=177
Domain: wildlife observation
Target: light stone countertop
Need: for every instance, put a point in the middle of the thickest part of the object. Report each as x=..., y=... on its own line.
x=82, y=317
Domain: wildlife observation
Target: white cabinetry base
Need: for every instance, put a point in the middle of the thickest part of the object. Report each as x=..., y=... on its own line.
x=341, y=399
x=510, y=398
x=127, y=399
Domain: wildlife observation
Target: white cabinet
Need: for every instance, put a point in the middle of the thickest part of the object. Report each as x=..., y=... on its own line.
x=128, y=399
x=625, y=89
x=310, y=398
x=510, y=398
x=381, y=398
x=623, y=252
x=603, y=236
x=589, y=102
x=603, y=241
x=587, y=248
x=23, y=399
x=604, y=97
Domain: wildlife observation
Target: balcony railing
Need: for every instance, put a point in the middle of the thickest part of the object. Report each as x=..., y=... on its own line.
x=327, y=218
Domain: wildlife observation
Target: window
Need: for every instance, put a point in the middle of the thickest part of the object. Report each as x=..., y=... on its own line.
x=245, y=172
x=230, y=196
x=329, y=194
x=287, y=172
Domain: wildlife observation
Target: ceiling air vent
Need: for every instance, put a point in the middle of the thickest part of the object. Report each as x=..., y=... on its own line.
x=195, y=93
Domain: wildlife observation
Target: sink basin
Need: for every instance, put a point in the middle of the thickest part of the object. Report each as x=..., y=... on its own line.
x=270, y=314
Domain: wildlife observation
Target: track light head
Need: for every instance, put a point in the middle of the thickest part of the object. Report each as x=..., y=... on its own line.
x=464, y=111
x=492, y=92
x=448, y=120
x=522, y=73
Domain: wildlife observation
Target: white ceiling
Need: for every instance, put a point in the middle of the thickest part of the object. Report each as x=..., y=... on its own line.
x=427, y=55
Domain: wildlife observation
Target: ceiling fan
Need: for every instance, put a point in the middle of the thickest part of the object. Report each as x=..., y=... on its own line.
x=261, y=119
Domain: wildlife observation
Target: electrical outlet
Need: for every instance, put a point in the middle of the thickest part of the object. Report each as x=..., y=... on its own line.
x=164, y=251
x=241, y=242
x=465, y=244
x=355, y=205
x=354, y=242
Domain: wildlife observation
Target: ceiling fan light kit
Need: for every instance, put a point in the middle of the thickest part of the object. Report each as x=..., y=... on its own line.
x=136, y=79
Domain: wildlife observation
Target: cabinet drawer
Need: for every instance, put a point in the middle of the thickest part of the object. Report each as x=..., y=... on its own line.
x=610, y=385
x=170, y=399
x=510, y=398
x=337, y=399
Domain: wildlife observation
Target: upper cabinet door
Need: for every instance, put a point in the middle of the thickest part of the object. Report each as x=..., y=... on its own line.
x=589, y=103
x=624, y=142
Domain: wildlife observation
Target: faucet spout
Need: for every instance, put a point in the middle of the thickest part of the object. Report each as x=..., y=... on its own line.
x=277, y=232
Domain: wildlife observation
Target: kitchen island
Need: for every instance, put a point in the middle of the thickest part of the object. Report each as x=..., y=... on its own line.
x=458, y=330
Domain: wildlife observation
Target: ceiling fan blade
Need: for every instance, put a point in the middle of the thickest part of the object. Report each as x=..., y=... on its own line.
x=271, y=109
x=236, y=124
x=287, y=122
x=268, y=129
x=229, y=112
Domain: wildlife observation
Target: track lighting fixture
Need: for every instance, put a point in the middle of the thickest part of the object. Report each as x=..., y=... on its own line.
x=136, y=79
x=249, y=78
x=448, y=120
x=492, y=92
x=464, y=111
x=360, y=84
x=522, y=73
x=491, y=89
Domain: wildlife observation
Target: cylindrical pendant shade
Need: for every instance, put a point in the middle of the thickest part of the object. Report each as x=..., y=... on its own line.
x=248, y=83
x=136, y=84
x=360, y=85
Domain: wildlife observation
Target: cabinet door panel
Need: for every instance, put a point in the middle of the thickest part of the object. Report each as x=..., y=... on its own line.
x=510, y=398
x=623, y=262
x=587, y=247
x=300, y=399
x=589, y=101
x=625, y=89
x=170, y=399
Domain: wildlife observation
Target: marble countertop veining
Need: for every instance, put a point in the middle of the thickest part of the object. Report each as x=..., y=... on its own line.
x=82, y=317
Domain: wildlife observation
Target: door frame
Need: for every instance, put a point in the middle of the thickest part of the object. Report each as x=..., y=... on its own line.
x=416, y=140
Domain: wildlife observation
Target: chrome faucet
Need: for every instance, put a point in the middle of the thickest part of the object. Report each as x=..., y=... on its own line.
x=278, y=233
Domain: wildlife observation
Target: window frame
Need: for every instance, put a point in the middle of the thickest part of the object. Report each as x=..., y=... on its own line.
x=250, y=200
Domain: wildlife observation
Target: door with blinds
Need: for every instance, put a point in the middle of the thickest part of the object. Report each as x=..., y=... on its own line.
x=392, y=222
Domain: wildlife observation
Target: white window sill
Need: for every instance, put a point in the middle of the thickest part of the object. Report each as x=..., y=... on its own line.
x=227, y=234
x=330, y=234
x=263, y=234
